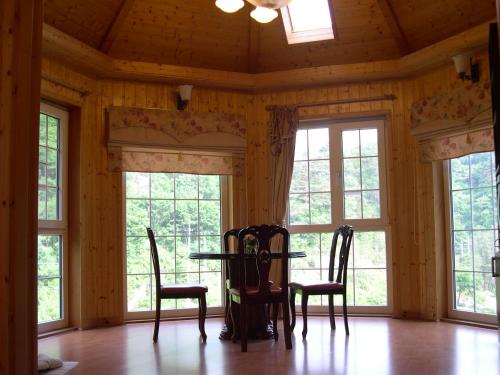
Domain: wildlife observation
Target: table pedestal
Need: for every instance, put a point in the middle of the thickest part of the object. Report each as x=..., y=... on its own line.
x=259, y=325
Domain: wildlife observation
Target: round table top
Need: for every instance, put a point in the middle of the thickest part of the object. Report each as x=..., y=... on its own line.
x=232, y=256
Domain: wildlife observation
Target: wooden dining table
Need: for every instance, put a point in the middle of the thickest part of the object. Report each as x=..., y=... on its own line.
x=259, y=323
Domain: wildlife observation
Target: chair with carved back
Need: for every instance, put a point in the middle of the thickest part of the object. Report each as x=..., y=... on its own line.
x=232, y=233
x=176, y=291
x=263, y=291
x=330, y=287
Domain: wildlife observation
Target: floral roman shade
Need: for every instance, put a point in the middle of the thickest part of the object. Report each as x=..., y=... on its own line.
x=156, y=140
x=455, y=123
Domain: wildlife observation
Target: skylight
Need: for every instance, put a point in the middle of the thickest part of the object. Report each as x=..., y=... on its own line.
x=307, y=21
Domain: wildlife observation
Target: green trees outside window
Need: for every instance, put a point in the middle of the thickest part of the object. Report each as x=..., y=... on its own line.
x=474, y=224
x=337, y=179
x=185, y=213
x=51, y=217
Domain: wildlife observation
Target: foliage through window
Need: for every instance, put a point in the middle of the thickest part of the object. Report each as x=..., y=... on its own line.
x=52, y=224
x=184, y=212
x=337, y=179
x=473, y=231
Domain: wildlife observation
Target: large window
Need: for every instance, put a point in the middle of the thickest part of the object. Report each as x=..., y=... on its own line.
x=186, y=213
x=339, y=177
x=52, y=218
x=473, y=219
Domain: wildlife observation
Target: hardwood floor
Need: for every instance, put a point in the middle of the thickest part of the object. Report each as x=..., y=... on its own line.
x=375, y=346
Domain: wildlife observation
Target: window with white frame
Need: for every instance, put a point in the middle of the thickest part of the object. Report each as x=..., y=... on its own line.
x=186, y=213
x=52, y=218
x=339, y=178
x=473, y=232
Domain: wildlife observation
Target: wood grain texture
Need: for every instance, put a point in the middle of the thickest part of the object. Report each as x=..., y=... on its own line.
x=197, y=34
x=20, y=66
x=116, y=25
x=426, y=22
x=86, y=21
x=376, y=345
x=414, y=241
x=70, y=51
x=392, y=21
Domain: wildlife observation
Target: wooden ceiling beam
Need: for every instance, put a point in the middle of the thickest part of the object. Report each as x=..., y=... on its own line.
x=116, y=25
x=70, y=51
x=62, y=47
x=392, y=21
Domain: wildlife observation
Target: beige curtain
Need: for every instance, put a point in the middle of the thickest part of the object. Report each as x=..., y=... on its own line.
x=283, y=126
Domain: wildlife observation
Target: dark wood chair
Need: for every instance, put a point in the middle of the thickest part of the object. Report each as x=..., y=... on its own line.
x=176, y=291
x=329, y=287
x=263, y=291
x=227, y=236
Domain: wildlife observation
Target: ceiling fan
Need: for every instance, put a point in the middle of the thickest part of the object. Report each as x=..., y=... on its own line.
x=264, y=12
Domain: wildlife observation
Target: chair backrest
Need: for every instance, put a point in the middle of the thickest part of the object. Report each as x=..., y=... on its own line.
x=263, y=237
x=346, y=232
x=154, y=257
x=230, y=233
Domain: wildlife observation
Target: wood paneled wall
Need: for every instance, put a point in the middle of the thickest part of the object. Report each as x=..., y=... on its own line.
x=20, y=61
x=417, y=276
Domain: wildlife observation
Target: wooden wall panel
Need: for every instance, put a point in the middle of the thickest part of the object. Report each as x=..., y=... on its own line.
x=416, y=256
x=20, y=64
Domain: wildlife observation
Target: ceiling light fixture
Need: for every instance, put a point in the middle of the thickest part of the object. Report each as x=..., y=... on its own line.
x=264, y=12
x=229, y=6
x=263, y=15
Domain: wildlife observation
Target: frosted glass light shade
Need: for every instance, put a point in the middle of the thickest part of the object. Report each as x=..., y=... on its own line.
x=185, y=91
x=461, y=63
x=263, y=15
x=230, y=6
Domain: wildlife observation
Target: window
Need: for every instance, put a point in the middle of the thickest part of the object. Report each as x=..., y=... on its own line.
x=52, y=218
x=339, y=177
x=473, y=224
x=187, y=213
x=307, y=21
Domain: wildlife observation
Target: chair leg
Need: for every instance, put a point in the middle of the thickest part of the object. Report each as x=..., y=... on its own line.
x=330, y=311
x=243, y=327
x=305, y=297
x=292, y=308
x=202, y=313
x=344, y=300
x=275, y=320
x=236, y=327
x=157, y=319
x=286, y=325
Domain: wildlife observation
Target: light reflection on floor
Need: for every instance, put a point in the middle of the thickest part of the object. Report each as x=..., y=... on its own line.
x=375, y=346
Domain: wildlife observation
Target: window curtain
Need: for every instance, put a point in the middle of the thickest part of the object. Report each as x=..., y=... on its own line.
x=283, y=124
x=156, y=140
x=454, y=124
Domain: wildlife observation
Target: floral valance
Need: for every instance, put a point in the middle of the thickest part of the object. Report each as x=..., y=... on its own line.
x=155, y=140
x=163, y=161
x=455, y=123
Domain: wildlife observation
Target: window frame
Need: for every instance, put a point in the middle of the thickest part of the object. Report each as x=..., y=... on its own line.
x=59, y=227
x=316, y=35
x=225, y=185
x=452, y=312
x=336, y=126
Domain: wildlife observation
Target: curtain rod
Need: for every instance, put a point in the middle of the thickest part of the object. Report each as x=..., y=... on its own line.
x=339, y=101
x=57, y=82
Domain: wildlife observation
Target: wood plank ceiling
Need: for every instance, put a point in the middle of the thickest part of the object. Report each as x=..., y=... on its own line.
x=195, y=33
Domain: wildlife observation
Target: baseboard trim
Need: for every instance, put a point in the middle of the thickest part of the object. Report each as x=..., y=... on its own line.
x=56, y=332
x=469, y=323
